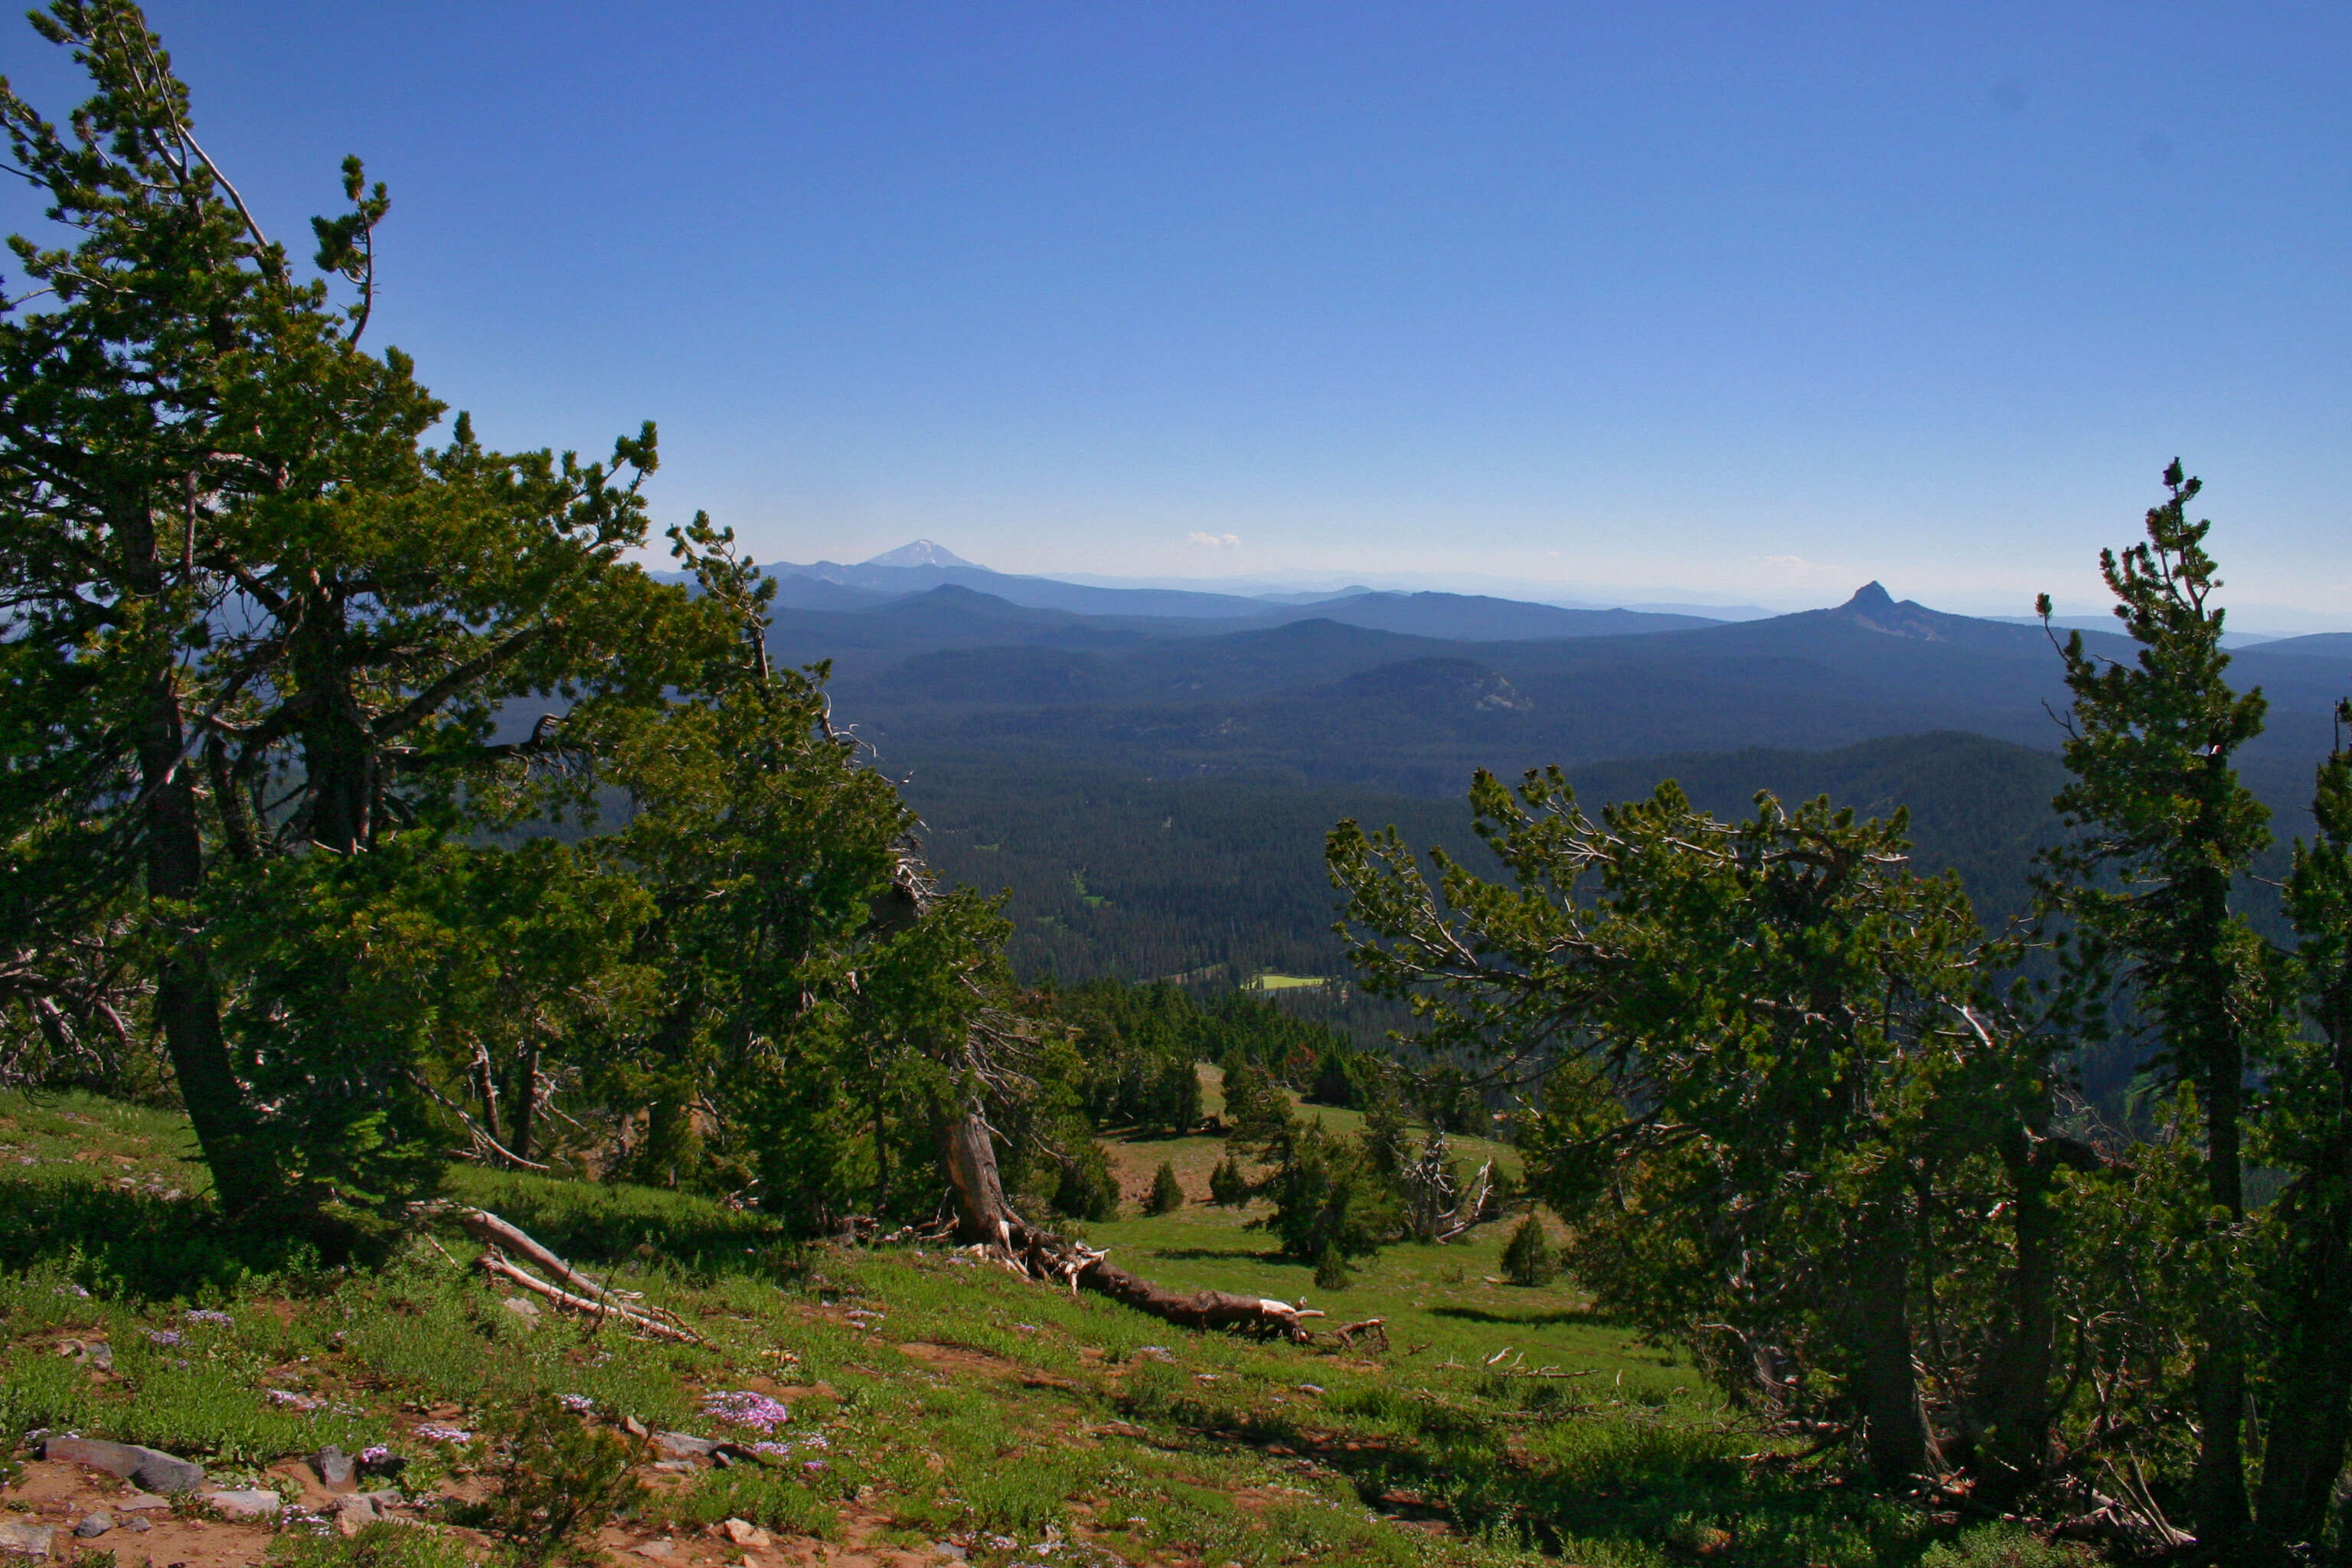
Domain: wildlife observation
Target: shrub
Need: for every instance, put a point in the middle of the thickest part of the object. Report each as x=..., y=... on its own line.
x=378, y=1545
x=1167, y=1193
x=554, y=1481
x=1084, y=1187
x=1332, y=1270
x=1228, y=1188
x=1529, y=1259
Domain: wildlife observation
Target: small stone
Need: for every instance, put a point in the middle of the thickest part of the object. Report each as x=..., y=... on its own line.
x=333, y=1466
x=355, y=1513
x=94, y=1525
x=949, y=1549
x=681, y=1445
x=140, y=1503
x=633, y=1426
x=743, y=1533
x=137, y=1526
x=674, y=1464
x=657, y=1549
x=250, y=1502
x=25, y=1538
x=523, y=1307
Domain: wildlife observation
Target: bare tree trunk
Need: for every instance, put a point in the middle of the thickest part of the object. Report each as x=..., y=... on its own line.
x=1887, y=1390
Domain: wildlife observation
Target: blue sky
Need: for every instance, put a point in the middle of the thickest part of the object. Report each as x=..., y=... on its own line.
x=1736, y=302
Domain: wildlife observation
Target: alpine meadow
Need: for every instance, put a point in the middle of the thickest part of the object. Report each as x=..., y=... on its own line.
x=528, y=1037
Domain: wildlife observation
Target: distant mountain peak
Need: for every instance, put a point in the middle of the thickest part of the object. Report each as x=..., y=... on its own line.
x=1874, y=609
x=922, y=553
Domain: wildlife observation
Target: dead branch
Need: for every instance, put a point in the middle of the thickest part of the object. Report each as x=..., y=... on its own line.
x=494, y=1262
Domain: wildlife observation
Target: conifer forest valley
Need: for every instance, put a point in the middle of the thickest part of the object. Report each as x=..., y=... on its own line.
x=528, y=1037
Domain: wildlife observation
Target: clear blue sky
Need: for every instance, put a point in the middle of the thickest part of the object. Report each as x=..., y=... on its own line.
x=1743, y=301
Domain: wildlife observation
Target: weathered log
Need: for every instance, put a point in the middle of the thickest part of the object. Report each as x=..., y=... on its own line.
x=492, y=1262
x=989, y=1222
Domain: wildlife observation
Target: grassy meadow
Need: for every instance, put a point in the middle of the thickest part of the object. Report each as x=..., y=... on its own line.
x=937, y=1401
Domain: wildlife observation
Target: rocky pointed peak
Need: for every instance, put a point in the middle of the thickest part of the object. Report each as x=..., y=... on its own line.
x=920, y=552
x=1874, y=609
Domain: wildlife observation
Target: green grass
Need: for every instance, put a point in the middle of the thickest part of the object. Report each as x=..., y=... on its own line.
x=1272, y=982
x=935, y=1395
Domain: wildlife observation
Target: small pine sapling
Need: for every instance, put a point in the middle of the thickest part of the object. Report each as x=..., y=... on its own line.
x=1228, y=1188
x=1166, y=1192
x=1529, y=1259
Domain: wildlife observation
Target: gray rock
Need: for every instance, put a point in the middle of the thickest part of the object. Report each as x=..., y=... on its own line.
x=94, y=1525
x=522, y=1307
x=679, y=1446
x=333, y=1467
x=99, y=1354
x=950, y=1550
x=149, y=1467
x=252, y=1502
x=24, y=1538
x=137, y=1526
x=140, y=1503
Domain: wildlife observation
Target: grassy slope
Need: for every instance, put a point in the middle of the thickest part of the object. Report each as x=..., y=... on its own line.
x=952, y=1400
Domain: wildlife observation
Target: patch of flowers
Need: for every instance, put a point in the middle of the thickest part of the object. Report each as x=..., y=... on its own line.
x=296, y=1401
x=162, y=1336
x=741, y=1407
x=206, y=1315
x=433, y=1433
x=70, y=1290
x=374, y=1454
x=578, y=1404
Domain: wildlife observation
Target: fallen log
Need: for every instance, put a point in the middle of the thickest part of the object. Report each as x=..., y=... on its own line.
x=995, y=1231
x=494, y=1262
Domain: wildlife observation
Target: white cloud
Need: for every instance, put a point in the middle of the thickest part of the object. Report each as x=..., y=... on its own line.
x=1214, y=541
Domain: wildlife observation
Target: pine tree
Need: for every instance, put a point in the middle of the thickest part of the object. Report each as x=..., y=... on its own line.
x=2167, y=830
x=1528, y=1259
x=1228, y=1188
x=1167, y=1193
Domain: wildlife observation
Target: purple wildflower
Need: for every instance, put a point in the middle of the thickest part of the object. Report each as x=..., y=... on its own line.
x=162, y=1336
x=578, y=1404
x=741, y=1407
x=435, y=1434
x=206, y=1315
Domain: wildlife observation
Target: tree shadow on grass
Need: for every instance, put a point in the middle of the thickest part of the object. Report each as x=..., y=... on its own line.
x=139, y=1244
x=1219, y=1254
x=638, y=1228
x=1582, y=1316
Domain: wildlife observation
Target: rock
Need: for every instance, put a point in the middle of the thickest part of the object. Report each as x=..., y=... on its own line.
x=743, y=1533
x=252, y=1502
x=140, y=1503
x=333, y=1467
x=94, y=1525
x=633, y=1426
x=950, y=1550
x=137, y=1526
x=679, y=1446
x=674, y=1464
x=523, y=1307
x=657, y=1549
x=24, y=1538
x=355, y=1512
x=149, y=1467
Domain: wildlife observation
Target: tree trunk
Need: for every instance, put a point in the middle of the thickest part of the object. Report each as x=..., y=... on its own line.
x=1886, y=1391
x=2218, y=1484
x=2016, y=1417
x=187, y=998
x=2310, y=1405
